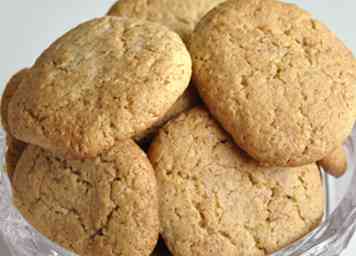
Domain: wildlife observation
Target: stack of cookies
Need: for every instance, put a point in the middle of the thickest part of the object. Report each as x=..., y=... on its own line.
x=110, y=144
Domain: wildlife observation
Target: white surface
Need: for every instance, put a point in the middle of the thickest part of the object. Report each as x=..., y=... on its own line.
x=28, y=27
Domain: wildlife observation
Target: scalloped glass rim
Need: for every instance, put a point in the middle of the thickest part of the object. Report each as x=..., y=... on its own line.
x=329, y=239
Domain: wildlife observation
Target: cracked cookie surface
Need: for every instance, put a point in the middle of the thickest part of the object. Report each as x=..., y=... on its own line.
x=105, y=206
x=106, y=80
x=215, y=200
x=180, y=16
x=279, y=81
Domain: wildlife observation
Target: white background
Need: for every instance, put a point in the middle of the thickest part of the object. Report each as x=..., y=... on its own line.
x=27, y=27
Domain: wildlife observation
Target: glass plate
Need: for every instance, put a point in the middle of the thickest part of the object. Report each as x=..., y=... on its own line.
x=329, y=239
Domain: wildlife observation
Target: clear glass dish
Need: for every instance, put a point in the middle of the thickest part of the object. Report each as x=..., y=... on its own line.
x=329, y=239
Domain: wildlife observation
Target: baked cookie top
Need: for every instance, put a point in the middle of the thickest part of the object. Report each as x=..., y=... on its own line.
x=217, y=200
x=278, y=81
x=108, y=79
x=180, y=16
x=104, y=206
x=8, y=93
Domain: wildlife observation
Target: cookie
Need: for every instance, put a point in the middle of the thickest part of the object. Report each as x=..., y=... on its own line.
x=185, y=102
x=104, y=206
x=108, y=79
x=277, y=80
x=8, y=93
x=13, y=153
x=180, y=16
x=335, y=163
x=216, y=200
x=14, y=147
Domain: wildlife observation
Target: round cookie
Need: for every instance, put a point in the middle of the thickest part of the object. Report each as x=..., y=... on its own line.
x=14, y=150
x=104, y=206
x=335, y=163
x=276, y=79
x=8, y=93
x=107, y=79
x=187, y=101
x=180, y=16
x=216, y=200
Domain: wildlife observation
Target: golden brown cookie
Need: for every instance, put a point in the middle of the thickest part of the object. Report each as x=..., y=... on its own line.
x=14, y=151
x=185, y=102
x=106, y=80
x=106, y=206
x=14, y=146
x=180, y=16
x=216, y=200
x=279, y=81
x=8, y=93
x=335, y=163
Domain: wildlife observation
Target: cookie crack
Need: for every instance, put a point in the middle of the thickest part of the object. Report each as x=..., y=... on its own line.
x=252, y=233
x=202, y=221
x=223, y=234
x=227, y=237
x=100, y=232
x=203, y=225
x=64, y=212
x=69, y=167
x=79, y=180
